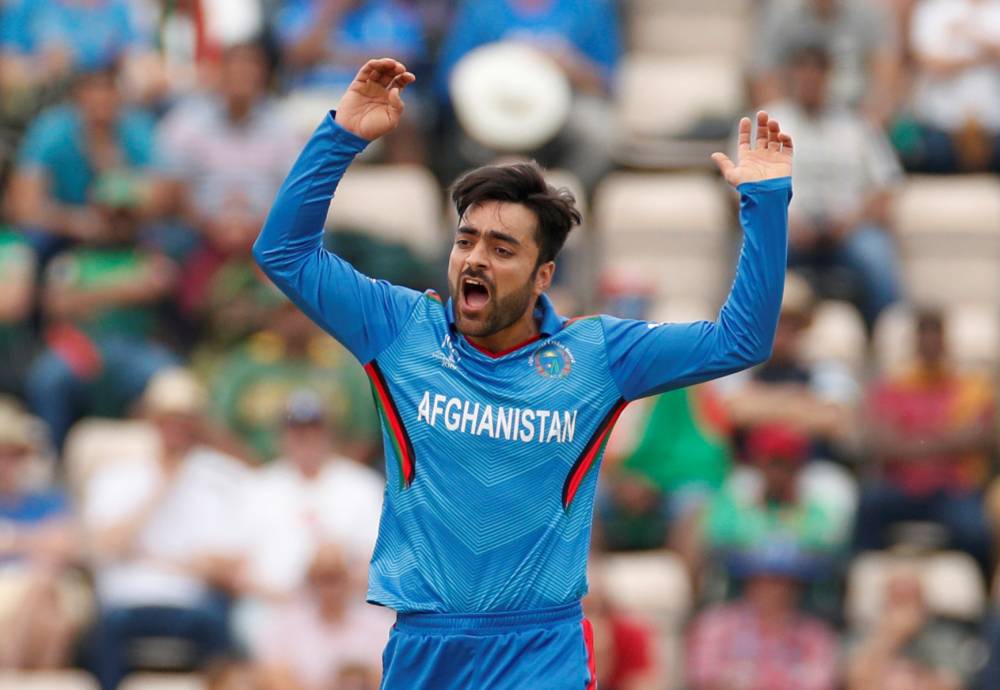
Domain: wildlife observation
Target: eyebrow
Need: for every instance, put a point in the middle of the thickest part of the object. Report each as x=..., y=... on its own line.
x=494, y=234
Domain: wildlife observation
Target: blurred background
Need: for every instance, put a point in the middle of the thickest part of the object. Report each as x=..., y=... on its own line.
x=190, y=472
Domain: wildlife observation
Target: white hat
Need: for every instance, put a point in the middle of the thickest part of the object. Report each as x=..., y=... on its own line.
x=509, y=96
x=175, y=391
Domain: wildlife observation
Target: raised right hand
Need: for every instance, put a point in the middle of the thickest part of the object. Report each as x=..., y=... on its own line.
x=372, y=105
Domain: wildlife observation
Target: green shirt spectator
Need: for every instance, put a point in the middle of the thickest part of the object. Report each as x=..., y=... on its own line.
x=684, y=444
x=252, y=384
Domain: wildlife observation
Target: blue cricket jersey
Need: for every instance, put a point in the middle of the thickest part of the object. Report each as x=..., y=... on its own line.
x=492, y=459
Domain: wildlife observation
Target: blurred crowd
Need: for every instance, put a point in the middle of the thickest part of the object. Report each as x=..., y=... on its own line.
x=190, y=469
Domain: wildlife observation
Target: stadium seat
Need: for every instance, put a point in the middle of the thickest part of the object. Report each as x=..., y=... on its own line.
x=949, y=235
x=837, y=334
x=682, y=30
x=648, y=582
x=400, y=203
x=669, y=230
x=953, y=585
x=46, y=680
x=662, y=96
x=93, y=443
x=973, y=336
x=163, y=681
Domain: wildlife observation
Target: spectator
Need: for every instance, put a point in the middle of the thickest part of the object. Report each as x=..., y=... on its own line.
x=308, y=497
x=227, y=151
x=101, y=307
x=864, y=42
x=762, y=640
x=956, y=99
x=43, y=605
x=67, y=151
x=816, y=398
x=252, y=383
x=582, y=38
x=931, y=432
x=325, y=631
x=839, y=217
x=773, y=506
x=17, y=297
x=325, y=42
x=625, y=653
x=907, y=646
x=168, y=533
x=45, y=41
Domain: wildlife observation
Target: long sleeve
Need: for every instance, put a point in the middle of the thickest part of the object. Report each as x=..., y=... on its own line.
x=649, y=358
x=363, y=314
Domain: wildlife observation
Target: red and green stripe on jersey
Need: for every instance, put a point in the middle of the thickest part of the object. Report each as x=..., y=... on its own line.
x=595, y=446
x=393, y=423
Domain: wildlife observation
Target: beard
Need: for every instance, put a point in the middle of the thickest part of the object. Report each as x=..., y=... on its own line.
x=499, y=313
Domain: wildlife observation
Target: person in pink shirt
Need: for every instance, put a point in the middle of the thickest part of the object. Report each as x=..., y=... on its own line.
x=324, y=633
x=763, y=640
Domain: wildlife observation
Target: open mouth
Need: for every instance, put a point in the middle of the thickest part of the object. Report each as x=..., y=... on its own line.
x=475, y=293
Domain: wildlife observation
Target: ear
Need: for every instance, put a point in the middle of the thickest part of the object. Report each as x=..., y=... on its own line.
x=543, y=277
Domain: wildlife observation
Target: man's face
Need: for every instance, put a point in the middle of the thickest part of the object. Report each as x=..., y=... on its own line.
x=809, y=79
x=930, y=344
x=492, y=272
x=244, y=74
x=307, y=445
x=98, y=99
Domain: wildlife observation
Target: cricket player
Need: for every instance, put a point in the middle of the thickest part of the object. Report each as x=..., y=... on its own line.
x=495, y=409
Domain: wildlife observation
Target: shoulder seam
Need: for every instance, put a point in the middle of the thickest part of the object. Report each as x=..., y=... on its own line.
x=402, y=327
x=607, y=360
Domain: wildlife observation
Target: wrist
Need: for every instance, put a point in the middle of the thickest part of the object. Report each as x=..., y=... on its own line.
x=345, y=134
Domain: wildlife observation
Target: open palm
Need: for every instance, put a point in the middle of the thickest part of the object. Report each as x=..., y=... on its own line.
x=771, y=155
x=372, y=104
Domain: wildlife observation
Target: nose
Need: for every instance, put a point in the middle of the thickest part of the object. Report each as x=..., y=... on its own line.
x=476, y=258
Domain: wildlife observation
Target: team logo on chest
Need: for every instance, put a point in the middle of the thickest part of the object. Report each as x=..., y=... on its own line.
x=553, y=360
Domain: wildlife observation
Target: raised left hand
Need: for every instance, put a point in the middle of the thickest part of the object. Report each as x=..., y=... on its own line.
x=769, y=157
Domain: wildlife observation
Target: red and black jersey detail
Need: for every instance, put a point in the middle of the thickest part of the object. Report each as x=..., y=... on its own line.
x=394, y=425
x=595, y=446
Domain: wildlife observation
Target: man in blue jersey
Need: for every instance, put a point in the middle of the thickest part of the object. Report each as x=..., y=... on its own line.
x=495, y=409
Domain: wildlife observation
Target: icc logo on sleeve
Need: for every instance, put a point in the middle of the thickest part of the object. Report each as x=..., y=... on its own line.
x=553, y=360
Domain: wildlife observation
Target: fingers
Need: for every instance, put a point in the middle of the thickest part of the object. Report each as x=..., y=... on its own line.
x=744, y=138
x=381, y=71
x=724, y=163
x=398, y=83
x=773, y=136
x=762, y=129
x=401, y=81
x=786, y=142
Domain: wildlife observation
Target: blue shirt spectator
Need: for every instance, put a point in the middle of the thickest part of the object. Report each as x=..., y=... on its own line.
x=56, y=146
x=328, y=40
x=93, y=33
x=588, y=29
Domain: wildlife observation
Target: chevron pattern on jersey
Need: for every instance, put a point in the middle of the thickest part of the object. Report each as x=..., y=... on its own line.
x=483, y=525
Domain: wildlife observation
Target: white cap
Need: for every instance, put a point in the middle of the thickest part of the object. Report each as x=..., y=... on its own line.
x=510, y=96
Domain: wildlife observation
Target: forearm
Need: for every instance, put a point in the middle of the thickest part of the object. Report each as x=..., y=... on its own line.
x=293, y=231
x=749, y=318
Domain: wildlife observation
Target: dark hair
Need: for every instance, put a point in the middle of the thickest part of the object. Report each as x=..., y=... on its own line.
x=522, y=183
x=929, y=319
x=810, y=52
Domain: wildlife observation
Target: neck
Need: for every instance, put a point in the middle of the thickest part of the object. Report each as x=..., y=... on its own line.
x=522, y=331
